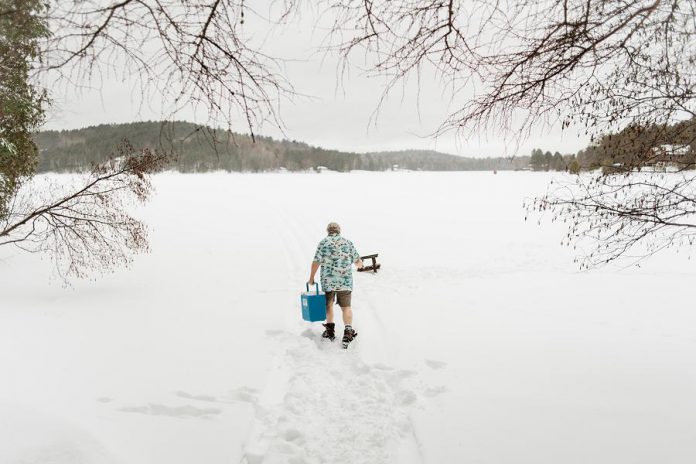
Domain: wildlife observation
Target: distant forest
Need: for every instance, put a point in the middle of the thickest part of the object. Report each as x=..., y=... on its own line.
x=199, y=149
x=202, y=149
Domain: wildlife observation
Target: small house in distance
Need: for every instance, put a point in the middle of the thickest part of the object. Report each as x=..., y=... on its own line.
x=665, y=155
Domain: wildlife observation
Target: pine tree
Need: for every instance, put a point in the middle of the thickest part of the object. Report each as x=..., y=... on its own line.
x=21, y=103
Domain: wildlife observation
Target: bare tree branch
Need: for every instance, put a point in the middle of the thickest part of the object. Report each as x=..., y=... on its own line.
x=192, y=53
x=600, y=64
x=90, y=227
x=623, y=215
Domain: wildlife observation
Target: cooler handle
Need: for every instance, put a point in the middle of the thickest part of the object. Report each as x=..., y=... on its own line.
x=316, y=284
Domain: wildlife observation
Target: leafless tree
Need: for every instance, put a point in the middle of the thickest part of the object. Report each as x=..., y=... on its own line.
x=623, y=216
x=192, y=53
x=642, y=200
x=601, y=65
x=188, y=53
x=89, y=227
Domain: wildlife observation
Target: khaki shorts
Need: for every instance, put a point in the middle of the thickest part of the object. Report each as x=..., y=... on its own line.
x=342, y=296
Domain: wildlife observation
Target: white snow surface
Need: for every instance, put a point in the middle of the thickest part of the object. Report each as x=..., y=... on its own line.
x=479, y=340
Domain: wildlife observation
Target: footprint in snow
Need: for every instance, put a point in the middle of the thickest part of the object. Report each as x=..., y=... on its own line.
x=407, y=397
x=189, y=396
x=433, y=364
x=182, y=412
x=432, y=392
x=382, y=367
x=294, y=435
x=245, y=394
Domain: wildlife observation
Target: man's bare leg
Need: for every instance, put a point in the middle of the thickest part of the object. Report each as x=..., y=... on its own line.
x=349, y=333
x=347, y=315
x=329, y=311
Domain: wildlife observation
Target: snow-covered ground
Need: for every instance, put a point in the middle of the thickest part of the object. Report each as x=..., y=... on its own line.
x=480, y=342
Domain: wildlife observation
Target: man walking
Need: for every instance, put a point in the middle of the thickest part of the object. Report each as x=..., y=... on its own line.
x=336, y=255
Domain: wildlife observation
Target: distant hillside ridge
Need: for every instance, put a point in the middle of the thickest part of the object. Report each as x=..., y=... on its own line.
x=202, y=149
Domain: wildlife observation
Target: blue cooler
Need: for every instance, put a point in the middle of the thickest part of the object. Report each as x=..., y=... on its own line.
x=313, y=305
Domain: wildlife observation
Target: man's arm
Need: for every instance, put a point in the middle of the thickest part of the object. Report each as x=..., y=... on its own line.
x=315, y=268
x=356, y=257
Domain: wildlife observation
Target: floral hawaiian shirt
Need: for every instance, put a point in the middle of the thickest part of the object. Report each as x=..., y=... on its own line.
x=336, y=256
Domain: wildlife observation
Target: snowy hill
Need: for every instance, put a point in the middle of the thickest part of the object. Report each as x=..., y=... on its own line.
x=201, y=149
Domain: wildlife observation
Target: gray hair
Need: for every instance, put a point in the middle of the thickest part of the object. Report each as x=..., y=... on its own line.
x=333, y=228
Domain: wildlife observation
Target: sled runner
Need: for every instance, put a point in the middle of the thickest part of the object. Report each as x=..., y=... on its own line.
x=373, y=267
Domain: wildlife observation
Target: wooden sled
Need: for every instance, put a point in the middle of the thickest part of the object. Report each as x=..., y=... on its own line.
x=373, y=267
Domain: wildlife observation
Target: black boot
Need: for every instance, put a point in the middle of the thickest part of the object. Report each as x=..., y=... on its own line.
x=330, y=331
x=348, y=335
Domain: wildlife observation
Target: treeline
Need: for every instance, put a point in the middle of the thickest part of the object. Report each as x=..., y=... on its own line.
x=545, y=161
x=633, y=147
x=201, y=149
x=637, y=146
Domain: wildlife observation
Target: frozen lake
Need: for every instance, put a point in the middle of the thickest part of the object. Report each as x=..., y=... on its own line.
x=480, y=341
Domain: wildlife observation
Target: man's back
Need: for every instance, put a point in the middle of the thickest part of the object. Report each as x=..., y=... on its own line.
x=336, y=256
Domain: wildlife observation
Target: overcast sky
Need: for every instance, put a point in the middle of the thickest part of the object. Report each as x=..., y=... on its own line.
x=338, y=113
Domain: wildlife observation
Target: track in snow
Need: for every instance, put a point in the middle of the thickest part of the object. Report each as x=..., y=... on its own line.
x=326, y=404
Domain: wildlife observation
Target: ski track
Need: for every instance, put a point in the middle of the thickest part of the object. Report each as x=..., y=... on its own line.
x=323, y=404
